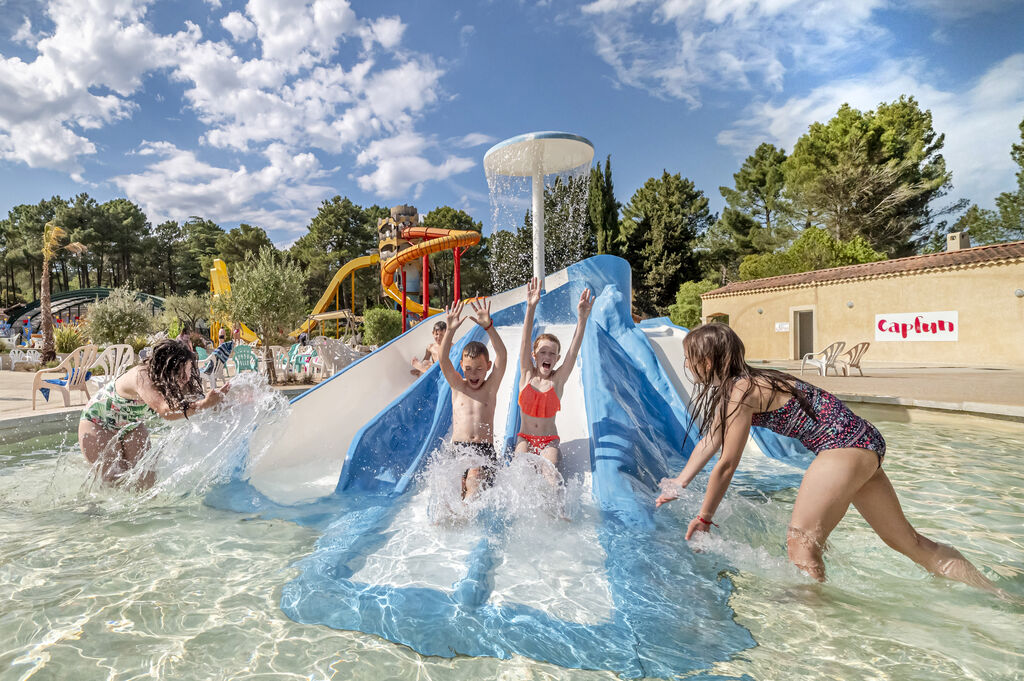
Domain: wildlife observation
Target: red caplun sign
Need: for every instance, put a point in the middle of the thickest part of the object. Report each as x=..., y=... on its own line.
x=916, y=326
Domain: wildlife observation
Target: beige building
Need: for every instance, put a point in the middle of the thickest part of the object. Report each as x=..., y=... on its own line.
x=962, y=306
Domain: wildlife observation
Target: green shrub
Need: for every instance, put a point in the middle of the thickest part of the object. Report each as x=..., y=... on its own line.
x=118, y=317
x=687, y=308
x=137, y=342
x=381, y=325
x=67, y=338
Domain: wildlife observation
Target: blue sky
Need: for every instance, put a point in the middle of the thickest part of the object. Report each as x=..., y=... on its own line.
x=256, y=111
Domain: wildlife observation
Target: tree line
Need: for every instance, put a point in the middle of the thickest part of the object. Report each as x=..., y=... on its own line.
x=862, y=186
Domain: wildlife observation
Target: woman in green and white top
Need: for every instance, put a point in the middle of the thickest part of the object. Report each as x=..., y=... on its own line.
x=113, y=430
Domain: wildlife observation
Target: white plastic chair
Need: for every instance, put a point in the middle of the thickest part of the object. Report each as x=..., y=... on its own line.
x=851, y=358
x=828, y=359
x=114, y=360
x=25, y=357
x=216, y=375
x=75, y=371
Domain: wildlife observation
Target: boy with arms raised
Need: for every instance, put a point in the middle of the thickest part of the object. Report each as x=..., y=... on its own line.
x=475, y=395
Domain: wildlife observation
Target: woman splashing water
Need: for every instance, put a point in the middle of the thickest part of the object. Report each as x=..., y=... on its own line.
x=113, y=432
x=847, y=468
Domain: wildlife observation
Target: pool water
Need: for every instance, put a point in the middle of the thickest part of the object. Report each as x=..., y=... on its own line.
x=101, y=584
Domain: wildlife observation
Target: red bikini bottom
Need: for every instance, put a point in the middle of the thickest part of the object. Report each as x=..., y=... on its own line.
x=539, y=442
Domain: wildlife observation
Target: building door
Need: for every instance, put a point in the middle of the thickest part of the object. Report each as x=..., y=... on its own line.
x=804, y=332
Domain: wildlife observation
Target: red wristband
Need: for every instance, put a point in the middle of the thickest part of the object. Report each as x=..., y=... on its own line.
x=487, y=328
x=706, y=522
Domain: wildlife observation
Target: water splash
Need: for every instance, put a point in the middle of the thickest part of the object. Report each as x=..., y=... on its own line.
x=568, y=234
x=188, y=456
x=520, y=490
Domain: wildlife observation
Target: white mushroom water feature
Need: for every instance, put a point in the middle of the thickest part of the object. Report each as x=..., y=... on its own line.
x=535, y=155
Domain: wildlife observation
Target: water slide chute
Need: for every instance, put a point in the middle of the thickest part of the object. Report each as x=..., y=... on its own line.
x=221, y=285
x=331, y=293
x=347, y=457
x=433, y=241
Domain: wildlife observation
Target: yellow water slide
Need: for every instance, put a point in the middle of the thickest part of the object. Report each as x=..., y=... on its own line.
x=434, y=240
x=331, y=294
x=221, y=285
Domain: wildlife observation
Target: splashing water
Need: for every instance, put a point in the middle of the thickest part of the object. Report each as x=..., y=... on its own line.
x=567, y=234
x=520, y=492
x=189, y=456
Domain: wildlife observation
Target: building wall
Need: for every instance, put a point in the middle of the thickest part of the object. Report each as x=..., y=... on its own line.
x=990, y=316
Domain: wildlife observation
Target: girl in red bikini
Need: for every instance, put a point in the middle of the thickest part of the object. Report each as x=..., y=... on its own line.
x=541, y=384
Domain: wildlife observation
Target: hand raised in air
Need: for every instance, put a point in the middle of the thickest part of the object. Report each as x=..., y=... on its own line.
x=533, y=292
x=454, y=315
x=482, y=312
x=586, y=303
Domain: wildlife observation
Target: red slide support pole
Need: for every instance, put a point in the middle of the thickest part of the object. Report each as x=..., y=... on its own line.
x=405, y=322
x=425, y=283
x=457, y=252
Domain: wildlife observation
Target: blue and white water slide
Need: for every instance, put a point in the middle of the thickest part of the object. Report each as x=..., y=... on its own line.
x=638, y=601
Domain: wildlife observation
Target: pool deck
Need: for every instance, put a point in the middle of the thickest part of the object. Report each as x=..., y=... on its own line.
x=996, y=391
x=984, y=390
x=16, y=401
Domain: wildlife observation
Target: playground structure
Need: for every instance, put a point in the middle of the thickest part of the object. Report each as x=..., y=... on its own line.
x=403, y=246
x=221, y=285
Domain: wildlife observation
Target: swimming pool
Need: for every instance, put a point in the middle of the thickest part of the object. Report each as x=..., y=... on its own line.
x=96, y=584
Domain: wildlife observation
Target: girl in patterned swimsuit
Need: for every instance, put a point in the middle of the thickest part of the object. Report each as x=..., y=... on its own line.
x=113, y=430
x=541, y=384
x=731, y=396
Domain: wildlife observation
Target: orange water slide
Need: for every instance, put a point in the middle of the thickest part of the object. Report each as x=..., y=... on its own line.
x=434, y=240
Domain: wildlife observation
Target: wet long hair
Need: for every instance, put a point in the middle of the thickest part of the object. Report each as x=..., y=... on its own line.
x=163, y=366
x=717, y=347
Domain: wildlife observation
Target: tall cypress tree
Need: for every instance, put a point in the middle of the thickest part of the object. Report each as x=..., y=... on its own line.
x=604, y=209
x=659, y=226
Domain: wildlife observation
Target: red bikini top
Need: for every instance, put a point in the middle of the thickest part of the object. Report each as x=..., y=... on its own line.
x=539, y=405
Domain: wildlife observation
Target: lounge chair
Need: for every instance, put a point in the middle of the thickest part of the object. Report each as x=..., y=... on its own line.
x=71, y=374
x=827, y=360
x=851, y=358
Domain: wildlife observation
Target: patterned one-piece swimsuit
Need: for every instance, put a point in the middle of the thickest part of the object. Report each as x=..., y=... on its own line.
x=834, y=425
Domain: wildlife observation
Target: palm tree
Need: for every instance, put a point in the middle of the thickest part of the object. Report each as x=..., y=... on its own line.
x=53, y=234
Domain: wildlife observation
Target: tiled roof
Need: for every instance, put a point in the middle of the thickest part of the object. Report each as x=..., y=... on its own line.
x=979, y=255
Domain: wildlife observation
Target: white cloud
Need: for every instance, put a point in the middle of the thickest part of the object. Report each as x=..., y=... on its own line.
x=240, y=28
x=980, y=122
x=278, y=196
x=294, y=96
x=676, y=48
x=401, y=165
x=474, y=139
x=81, y=79
x=24, y=34
x=387, y=31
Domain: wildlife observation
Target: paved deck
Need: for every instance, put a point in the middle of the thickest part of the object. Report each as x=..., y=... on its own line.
x=16, y=400
x=994, y=391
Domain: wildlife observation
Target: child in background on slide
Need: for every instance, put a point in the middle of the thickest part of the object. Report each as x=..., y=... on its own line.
x=432, y=352
x=475, y=395
x=541, y=384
